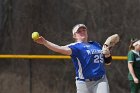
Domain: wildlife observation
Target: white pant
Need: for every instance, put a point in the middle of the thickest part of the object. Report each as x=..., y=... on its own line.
x=100, y=86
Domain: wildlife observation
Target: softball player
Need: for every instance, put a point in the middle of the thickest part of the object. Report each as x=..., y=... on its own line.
x=134, y=66
x=88, y=61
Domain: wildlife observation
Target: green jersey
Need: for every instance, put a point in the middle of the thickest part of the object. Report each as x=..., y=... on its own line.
x=134, y=57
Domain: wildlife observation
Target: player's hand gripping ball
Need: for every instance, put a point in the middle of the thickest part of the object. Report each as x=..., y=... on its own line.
x=35, y=36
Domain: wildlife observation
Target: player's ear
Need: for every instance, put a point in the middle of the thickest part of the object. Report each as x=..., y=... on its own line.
x=74, y=36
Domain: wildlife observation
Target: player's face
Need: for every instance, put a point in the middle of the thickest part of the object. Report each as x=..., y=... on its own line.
x=137, y=47
x=81, y=34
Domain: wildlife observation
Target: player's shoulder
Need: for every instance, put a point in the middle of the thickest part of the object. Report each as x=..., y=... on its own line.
x=73, y=44
x=135, y=52
x=95, y=43
x=131, y=52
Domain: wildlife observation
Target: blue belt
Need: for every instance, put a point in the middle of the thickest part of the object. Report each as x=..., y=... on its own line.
x=92, y=79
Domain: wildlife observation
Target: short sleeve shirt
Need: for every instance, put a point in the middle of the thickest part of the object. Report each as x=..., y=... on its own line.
x=88, y=59
x=134, y=57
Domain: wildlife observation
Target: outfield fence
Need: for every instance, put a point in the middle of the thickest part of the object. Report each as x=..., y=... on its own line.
x=48, y=57
x=31, y=72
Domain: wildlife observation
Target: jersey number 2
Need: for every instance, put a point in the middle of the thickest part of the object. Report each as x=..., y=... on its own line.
x=98, y=58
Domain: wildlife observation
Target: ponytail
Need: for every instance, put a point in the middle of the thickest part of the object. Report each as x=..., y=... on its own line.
x=133, y=40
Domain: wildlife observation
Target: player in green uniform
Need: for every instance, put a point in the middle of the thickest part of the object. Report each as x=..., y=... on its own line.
x=134, y=66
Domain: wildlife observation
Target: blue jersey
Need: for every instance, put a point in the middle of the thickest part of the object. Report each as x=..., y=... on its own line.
x=88, y=59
